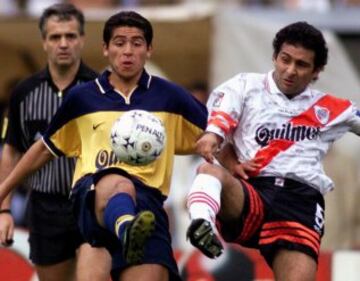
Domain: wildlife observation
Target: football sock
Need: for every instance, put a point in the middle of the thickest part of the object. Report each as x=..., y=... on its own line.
x=119, y=211
x=203, y=200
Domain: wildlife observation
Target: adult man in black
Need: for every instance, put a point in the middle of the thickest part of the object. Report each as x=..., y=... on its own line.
x=56, y=246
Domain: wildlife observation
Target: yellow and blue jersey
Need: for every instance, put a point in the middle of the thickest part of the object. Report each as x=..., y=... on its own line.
x=81, y=126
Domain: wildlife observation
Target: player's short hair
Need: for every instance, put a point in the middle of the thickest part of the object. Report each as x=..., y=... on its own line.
x=303, y=34
x=64, y=12
x=130, y=19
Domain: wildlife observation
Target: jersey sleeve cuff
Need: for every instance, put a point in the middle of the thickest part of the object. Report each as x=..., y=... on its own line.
x=51, y=147
x=216, y=130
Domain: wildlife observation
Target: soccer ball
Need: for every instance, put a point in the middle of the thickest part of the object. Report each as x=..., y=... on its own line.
x=137, y=137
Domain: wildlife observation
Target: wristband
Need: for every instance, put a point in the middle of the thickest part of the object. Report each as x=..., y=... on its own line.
x=7, y=211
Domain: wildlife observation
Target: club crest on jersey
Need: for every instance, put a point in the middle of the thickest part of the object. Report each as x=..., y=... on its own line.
x=322, y=114
x=218, y=98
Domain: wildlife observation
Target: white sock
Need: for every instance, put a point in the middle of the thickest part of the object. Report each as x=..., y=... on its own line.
x=203, y=200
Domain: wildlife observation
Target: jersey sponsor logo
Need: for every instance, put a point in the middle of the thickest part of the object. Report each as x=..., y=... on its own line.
x=322, y=114
x=95, y=126
x=105, y=158
x=358, y=113
x=288, y=131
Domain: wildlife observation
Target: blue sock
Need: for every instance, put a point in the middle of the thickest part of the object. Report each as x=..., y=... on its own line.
x=119, y=211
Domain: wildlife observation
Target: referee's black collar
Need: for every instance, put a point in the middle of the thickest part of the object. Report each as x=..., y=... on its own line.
x=105, y=86
x=84, y=73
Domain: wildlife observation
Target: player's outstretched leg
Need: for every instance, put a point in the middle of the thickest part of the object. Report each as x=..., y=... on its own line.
x=136, y=233
x=203, y=237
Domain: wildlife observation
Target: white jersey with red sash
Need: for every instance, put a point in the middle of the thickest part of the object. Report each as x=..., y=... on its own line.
x=291, y=136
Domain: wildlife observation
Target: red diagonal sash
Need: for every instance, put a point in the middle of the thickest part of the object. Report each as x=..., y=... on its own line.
x=308, y=118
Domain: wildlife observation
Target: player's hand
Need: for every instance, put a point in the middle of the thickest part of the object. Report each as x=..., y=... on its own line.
x=244, y=169
x=6, y=229
x=208, y=145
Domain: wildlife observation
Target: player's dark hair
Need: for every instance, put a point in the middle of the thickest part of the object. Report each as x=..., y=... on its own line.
x=303, y=34
x=130, y=19
x=64, y=12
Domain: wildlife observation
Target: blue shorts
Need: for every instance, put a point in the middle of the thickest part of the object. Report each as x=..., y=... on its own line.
x=158, y=247
x=278, y=214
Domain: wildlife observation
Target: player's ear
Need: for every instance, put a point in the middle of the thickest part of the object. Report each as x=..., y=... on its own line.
x=105, y=50
x=44, y=44
x=274, y=56
x=82, y=41
x=149, y=51
x=316, y=73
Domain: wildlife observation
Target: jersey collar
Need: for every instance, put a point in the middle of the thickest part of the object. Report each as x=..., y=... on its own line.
x=105, y=86
x=84, y=73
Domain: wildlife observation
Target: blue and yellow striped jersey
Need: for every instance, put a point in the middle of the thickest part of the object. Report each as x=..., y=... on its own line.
x=81, y=126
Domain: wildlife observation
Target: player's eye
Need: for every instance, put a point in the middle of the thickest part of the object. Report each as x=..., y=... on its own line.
x=119, y=43
x=55, y=37
x=303, y=64
x=138, y=42
x=285, y=59
x=71, y=36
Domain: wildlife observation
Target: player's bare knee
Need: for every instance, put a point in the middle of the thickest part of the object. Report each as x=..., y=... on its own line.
x=110, y=185
x=123, y=184
x=210, y=169
x=202, y=168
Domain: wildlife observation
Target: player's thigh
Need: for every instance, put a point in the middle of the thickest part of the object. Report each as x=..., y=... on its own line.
x=93, y=264
x=145, y=272
x=291, y=265
x=57, y=272
x=232, y=194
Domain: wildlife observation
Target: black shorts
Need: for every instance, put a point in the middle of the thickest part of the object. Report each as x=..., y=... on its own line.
x=278, y=214
x=53, y=233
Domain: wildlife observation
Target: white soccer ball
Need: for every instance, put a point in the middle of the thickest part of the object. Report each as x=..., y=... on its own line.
x=137, y=137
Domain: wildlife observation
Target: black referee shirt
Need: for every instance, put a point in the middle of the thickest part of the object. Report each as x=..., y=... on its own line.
x=33, y=103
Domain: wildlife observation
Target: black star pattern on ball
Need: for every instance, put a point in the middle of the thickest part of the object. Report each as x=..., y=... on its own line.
x=113, y=137
x=136, y=113
x=129, y=143
x=137, y=159
x=156, y=153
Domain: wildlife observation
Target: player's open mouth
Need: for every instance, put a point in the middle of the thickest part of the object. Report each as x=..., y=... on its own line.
x=288, y=82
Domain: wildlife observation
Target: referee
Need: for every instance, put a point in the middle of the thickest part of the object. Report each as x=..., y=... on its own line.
x=56, y=246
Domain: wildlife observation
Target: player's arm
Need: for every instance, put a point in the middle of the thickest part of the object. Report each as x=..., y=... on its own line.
x=224, y=107
x=9, y=158
x=228, y=159
x=36, y=157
